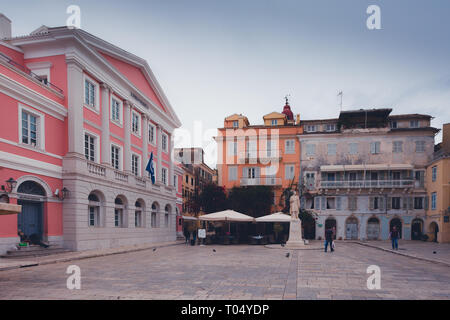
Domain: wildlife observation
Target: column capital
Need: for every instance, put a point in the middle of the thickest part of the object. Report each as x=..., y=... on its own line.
x=72, y=62
x=106, y=86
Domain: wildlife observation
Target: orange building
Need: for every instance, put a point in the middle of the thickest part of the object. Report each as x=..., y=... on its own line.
x=260, y=155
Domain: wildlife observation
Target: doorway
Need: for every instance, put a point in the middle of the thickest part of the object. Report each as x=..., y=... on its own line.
x=331, y=223
x=417, y=229
x=373, y=229
x=351, y=228
x=396, y=222
x=30, y=220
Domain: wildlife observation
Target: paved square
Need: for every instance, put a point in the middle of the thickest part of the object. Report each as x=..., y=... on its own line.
x=234, y=272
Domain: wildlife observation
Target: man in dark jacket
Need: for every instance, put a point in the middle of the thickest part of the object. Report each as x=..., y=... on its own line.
x=394, y=237
x=329, y=239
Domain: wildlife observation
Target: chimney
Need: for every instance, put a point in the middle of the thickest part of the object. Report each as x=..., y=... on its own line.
x=5, y=27
x=298, y=119
x=446, y=138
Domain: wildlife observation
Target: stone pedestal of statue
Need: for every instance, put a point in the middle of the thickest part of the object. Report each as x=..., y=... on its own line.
x=295, y=235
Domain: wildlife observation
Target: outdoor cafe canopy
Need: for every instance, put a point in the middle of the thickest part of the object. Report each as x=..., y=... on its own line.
x=227, y=215
x=7, y=209
x=276, y=217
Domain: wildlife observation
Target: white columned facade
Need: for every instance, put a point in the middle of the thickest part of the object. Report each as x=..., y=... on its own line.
x=127, y=137
x=105, y=142
x=75, y=106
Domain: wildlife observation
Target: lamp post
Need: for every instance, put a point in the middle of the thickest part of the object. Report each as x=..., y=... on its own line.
x=64, y=193
x=10, y=185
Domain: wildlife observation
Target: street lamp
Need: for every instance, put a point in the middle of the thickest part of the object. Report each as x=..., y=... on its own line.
x=10, y=184
x=64, y=193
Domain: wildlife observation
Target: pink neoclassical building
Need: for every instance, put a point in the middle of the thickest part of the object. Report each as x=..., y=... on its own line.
x=80, y=119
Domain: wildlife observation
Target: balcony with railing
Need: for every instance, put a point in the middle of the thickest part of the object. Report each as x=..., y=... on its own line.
x=261, y=181
x=357, y=184
x=262, y=155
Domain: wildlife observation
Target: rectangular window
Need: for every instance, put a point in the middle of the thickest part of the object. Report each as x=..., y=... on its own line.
x=330, y=127
x=310, y=149
x=420, y=146
x=135, y=167
x=397, y=146
x=116, y=107
x=274, y=122
x=331, y=148
x=118, y=218
x=396, y=203
x=289, y=171
x=235, y=124
x=164, y=142
x=164, y=175
x=232, y=173
x=352, y=203
x=338, y=203
x=151, y=133
x=94, y=216
x=418, y=203
x=153, y=220
x=166, y=220
x=375, y=147
x=136, y=123
x=138, y=219
x=29, y=129
x=433, y=174
x=433, y=201
x=175, y=182
x=89, y=147
x=232, y=148
x=90, y=93
x=353, y=148
x=115, y=159
x=393, y=124
x=290, y=146
x=311, y=128
x=414, y=124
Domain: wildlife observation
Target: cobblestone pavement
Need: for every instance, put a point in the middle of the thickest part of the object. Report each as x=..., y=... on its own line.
x=234, y=272
x=428, y=250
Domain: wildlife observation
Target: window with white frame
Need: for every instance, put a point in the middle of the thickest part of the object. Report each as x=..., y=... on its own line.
x=135, y=164
x=29, y=126
x=397, y=146
x=289, y=173
x=420, y=146
x=232, y=173
x=91, y=89
x=151, y=133
x=433, y=201
x=331, y=149
x=94, y=211
x=290, y=146
x=375, y=147
x=235, y=124
x=116, y=110
x=115, y=157
x=393, y=124
x=232, y=148
x=274, y=122
x=310, y=149
x=330, y=127
x=311, y=128
x=175, y=182
x=165, y=142
x=353, y=148
x=136, y=123
x=164, y=175
x=90, y=147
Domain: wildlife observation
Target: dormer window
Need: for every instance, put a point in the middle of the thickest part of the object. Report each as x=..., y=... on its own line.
x=393, y=124
x=235, y=124
x=311, y=128
x=330, y=127
x=274, y=122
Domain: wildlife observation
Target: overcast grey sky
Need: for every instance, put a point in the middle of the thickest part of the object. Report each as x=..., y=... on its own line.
x=215, y=58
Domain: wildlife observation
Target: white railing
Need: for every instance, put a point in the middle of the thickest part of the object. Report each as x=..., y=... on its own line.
x=140, y=182
x=261, y=181
x=121, y=176
x=96, y=169
x=367, y=184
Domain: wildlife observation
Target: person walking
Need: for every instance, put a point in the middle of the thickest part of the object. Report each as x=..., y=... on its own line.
x=394, y=235
x=186, y=235
x=329, y=235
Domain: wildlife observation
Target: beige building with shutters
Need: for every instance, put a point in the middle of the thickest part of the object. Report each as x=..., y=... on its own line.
x=364, y=172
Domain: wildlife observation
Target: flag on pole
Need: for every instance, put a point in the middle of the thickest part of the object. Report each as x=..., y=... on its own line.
x=151, y=169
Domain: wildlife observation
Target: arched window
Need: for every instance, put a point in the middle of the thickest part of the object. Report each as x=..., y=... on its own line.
x=119, y=206
x=138, y=215
x=166, y=216
x=31, y=187
x=155, y=208
x=94, y=211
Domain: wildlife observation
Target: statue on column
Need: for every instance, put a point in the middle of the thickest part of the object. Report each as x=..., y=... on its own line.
x=294, y=206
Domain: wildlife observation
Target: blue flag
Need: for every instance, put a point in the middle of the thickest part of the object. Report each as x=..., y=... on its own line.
x=151, y=169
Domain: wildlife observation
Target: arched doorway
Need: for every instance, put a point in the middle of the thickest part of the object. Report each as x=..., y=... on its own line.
x=396, y=222
x=373, y=229
x=417, y=229
x=351, y=228
x=434, y=231
x=30, y=221
x=331, y=223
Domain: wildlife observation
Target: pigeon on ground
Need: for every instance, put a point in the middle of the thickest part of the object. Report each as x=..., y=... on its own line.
x=287, y=255
x=214, y=250
x=434, y=252
x=154, y=249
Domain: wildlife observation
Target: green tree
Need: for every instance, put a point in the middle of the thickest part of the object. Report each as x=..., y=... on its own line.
x=213, y=198
x=255, y=201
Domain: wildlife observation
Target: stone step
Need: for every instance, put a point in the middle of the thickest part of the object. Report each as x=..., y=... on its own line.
x=34, y=251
